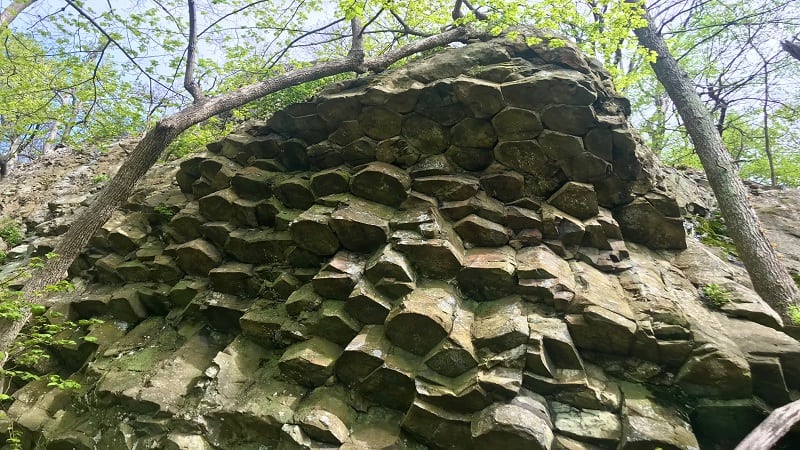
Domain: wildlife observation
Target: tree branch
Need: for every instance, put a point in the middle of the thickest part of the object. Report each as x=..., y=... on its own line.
x=407, y=29
x=189, y=82
x=773, y=428
x=128, y=56
x=12, y=11
x=792, y=48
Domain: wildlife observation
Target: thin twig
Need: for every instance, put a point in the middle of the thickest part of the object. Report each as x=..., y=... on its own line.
x=128, y=56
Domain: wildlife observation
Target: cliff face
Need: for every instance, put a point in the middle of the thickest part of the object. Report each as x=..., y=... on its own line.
x=471, y=251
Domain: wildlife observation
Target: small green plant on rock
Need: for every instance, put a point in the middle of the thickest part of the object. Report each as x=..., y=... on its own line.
x=11, y=232
x=716, y=295
x=794, y=314
x=99, y=178
x=164, y=211
x=712, y=231
x=45, y=332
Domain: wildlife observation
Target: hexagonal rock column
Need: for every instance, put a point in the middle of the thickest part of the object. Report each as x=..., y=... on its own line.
x=500, y=325
x=392, y=384
x=447, y=187
x=310, y=230
x=549, y=87
x=437, y=426
x=381, y=183
x=642, y=221
x=576, y=199
x=359, y=229
x=234, y=278
x=259, y=246
x=126, y=233
x=423, y=318
x=310, y=362
x=520, y=425
x=330, y=181
x=481, y=232
x=391, y=273
x=488, y=273
x=333, y=323
x=197, y=257
x=365, y=353
x=337, y=278
x=325, y=416
x=456, y=354
x=367, y=305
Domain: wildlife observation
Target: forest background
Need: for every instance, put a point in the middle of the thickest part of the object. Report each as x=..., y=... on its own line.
x=84, y=74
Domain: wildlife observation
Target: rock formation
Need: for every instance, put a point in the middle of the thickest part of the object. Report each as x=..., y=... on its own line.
x=471, y=251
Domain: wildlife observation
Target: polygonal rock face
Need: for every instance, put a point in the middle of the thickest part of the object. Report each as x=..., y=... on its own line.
x=444, y=248
x=549, y=87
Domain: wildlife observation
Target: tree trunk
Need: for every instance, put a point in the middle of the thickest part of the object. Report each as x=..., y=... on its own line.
x=770, y=278
x=157, y=139
x=52, y=136
x=12, y=11
x=773, y=428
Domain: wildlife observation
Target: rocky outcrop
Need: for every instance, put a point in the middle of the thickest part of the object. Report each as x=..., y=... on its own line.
x=471, y=251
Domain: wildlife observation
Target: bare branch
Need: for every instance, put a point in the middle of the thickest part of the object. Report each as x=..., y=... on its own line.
x=407, y=29
x=478, y=14
x=792, y=48
x=234, y=12
x=380, y=63
x=457, y=14
x=128, y=56
x=298, y=38
x=189, y=82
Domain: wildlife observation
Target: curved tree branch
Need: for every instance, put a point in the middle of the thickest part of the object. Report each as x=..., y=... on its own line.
x=12, y=11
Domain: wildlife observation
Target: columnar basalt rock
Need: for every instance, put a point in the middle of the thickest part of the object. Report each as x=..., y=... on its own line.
x=440, y=256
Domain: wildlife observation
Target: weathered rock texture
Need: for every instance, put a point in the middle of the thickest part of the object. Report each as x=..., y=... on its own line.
x=472, y=251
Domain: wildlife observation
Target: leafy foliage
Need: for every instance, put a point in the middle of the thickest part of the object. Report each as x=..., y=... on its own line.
x=794, y=314
x=750, y=86
x=47, y=331
x=164, y=211
x=54, y=93
x=716, y=295
x=99, y=178
x=11, y=232
x=712, y=231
